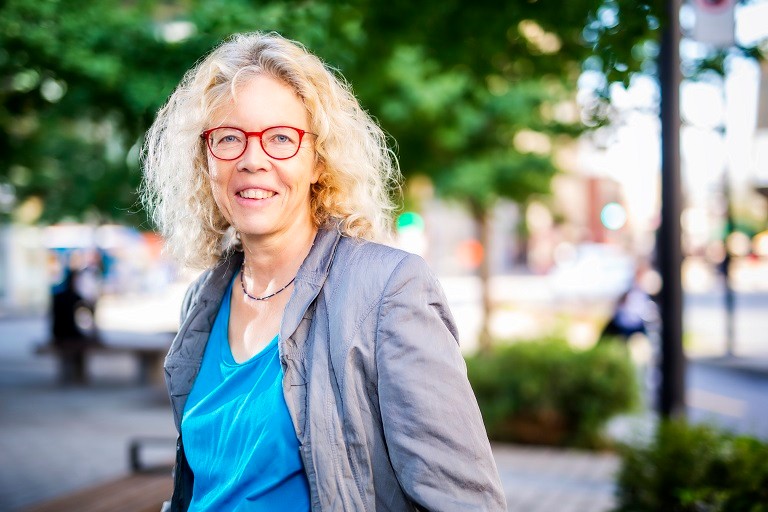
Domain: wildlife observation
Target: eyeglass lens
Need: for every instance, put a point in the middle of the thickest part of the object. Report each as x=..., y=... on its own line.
x=278, y=142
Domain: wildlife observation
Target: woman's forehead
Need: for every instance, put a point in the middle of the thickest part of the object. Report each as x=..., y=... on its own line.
x=263, y=101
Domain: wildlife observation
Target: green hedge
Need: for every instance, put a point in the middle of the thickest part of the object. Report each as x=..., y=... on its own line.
x=694, y=468
x=547, y=392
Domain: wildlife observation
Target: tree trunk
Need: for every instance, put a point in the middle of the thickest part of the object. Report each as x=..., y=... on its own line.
x=523, y=236
x=482, y=218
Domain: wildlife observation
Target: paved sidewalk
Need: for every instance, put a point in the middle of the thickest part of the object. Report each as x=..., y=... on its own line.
x=56, y=440
x=550, y=480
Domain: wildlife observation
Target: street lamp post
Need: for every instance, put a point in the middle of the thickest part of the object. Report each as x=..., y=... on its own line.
x=669, y=253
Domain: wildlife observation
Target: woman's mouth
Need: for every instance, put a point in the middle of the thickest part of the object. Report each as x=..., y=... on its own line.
x=256, y=193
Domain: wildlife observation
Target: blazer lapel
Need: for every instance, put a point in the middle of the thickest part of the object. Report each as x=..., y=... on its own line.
x=310, y=279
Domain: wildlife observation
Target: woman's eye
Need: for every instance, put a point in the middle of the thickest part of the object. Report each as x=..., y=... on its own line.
x=228, y=139
x=281, y=138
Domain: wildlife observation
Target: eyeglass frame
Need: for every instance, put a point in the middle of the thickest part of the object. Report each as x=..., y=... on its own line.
x=248, y=135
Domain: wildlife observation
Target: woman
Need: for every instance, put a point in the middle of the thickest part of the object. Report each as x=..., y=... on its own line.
x=313, y=368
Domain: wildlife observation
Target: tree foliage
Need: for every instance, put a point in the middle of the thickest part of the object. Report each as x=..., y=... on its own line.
x=476, y=95
x=69, y=114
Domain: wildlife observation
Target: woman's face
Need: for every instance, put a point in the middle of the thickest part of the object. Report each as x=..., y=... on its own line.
x=262, y=197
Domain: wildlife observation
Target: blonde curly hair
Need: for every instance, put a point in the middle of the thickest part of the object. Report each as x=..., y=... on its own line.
x=359, y=172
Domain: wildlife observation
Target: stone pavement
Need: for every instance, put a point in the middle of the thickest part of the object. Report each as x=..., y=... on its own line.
x=552, y=480
x=56, y=440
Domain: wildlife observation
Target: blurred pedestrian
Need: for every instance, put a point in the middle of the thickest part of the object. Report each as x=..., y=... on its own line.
x=633, y=312
x=88, y=268
x=314, y=368
x=70, y=327
x=65, y=302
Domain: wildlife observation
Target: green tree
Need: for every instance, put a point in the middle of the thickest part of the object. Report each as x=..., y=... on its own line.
x=478, y=98
x=478, y=142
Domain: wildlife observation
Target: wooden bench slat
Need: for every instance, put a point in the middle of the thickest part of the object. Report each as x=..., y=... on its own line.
x=132, y=493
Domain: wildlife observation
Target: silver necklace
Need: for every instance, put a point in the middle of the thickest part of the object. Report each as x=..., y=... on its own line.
x=265, y=297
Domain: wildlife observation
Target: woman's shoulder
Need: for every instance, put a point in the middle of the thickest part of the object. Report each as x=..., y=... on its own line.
x=375, y=257
x=369, y=267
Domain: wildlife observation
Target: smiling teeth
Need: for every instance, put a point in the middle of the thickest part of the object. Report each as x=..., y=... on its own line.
x=252, y=193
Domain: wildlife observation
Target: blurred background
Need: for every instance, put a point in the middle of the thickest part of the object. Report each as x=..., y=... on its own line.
x=529, y=137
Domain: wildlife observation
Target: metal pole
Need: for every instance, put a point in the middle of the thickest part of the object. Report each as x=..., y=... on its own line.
x=730, y=297
x=728, y=292
x=672, y=389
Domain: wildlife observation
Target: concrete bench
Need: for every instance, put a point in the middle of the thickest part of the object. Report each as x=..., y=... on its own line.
x=73, y=356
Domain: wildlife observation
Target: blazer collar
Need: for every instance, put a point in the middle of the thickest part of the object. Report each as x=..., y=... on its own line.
x=311, y=277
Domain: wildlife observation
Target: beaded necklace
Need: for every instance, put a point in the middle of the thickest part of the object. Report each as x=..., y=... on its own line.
x=265, y=297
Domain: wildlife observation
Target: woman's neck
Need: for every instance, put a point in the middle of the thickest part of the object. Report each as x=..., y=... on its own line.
x=270, y=263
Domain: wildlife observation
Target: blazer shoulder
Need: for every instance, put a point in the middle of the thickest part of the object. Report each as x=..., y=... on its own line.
x=364, y=269
x=372, y=257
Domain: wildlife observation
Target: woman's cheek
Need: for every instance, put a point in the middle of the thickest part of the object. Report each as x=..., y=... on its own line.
x=218, y=190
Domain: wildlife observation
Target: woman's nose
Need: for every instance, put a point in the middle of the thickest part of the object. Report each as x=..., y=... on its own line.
x=253, y=158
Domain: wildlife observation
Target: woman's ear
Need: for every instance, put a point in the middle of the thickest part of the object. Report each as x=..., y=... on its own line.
x=319, y=169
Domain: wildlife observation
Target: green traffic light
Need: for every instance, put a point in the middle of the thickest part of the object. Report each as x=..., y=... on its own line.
x=410, y=220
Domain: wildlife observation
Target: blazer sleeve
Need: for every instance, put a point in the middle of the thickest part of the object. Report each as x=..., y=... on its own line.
x=434, y=432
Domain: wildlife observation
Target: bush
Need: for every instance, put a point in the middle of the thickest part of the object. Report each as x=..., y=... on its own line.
x=694, y=468
x=546, y=392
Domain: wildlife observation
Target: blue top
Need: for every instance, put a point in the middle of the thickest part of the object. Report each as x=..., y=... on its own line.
x=238, y=436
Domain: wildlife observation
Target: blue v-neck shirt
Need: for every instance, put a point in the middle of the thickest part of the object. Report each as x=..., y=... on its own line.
x=238, y=436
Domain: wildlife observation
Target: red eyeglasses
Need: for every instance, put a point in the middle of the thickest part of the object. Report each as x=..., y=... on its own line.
x=278, y=142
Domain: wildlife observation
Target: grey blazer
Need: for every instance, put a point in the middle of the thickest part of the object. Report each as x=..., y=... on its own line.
x=373, y=378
